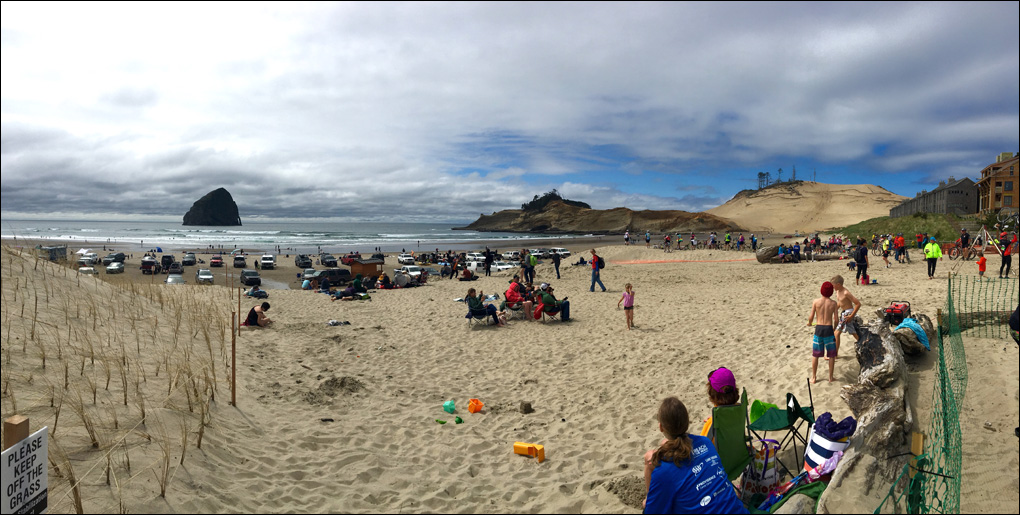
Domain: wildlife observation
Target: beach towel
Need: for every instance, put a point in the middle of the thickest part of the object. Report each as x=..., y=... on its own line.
x=827, y=438
x=912, y=324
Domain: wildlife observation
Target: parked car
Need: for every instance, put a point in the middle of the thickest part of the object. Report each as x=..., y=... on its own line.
x=308, y=273
x=474, y=256
x=267, y=262
x=175, y=279
x=250, y=277
x=118, y=257
x=302, y=261
x=240, y=262
x=115, y=268
x=411, y=270
x=216, y=261
x=337, y=276
x=431, y=271
x=89, y=259
x=175, y=268
x=189, y=259
x=349, y=258
x=149, y=265
x=204, y=276
x=564, y=253
x=87, y=270
x=327, y=260
x=501, y=266
x=379, y=255
x=405, y=259
x=167, y=260
x=512, y=255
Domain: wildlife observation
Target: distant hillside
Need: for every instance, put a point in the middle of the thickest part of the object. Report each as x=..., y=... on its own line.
x=807, y=206
x=942, y=227
x=557, y=216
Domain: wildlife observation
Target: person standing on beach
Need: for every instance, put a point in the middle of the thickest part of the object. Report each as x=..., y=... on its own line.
x=861, y=258
x=932, y=253
x=824, y=341
x=848, y=307
x=626, y=240
x=628, y=305
x=1008, y=249
x=596, y=272
x=648, y=239
x=556, y=263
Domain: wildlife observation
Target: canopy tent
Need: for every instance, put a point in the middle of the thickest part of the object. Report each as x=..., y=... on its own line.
x=82, y=252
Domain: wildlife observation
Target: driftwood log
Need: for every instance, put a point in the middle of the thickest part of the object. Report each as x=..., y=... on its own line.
x=884, y=420
x=765, y=254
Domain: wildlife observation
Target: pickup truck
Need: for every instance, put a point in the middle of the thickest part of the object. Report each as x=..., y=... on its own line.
x=349, y=258
x=405, y=259
x=302, y=261
x=327, y=260
x=411, y=270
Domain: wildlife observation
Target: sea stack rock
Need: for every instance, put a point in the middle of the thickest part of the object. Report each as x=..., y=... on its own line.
x=215, y=208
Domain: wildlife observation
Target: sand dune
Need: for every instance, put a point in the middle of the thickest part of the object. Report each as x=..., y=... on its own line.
x=343, y=418
x=807, y=207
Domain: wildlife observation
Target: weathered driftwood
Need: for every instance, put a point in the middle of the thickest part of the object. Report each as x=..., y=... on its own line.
x=909, y=341
x=765, y=254
x=884, y=420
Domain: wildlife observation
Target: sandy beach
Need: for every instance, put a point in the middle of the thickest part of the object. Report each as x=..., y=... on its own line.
x=343, y=418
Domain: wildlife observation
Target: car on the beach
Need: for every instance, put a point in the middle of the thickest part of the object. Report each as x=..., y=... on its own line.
x=149, y=265
x=379, y=255
x=411, y=270
x=175, y=279
x=118, y=257
x=175, y=268
x=268, y=262
x=405, y=259
x=474, y=256
x=88, y=259
x=336, y=276
x=308, y=273
x=240, y=262
x=250, y=277
x=302, y=261
x=349, y=258
x=115, y=268
x=327, y=260
x=204, y=276
x=512, y=255
x=87, y=270
x=167, y=260
x=189, y=259
x=564, y=253
x=542, y=253
x=216, y=260
x=501, y=266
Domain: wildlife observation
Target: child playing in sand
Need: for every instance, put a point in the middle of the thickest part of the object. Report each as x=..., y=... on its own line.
x=684, y=473
x=848, y=308
x=722, y=391
x=628, y=305
x=982, y=264
x=824, y=340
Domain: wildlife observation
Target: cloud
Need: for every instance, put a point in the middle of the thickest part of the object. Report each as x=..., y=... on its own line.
x=443, y=111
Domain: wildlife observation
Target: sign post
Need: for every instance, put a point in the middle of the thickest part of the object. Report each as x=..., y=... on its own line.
x=24, y=469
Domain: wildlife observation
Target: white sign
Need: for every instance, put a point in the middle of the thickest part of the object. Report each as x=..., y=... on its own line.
x=25, y=475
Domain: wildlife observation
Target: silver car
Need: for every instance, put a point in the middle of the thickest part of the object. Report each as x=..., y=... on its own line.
x=115, y=268
x=175, y=279
x=204, y=276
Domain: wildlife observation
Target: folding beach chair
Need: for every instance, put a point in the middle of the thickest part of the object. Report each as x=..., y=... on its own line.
x=515, y=311
x=478, y=317
x=731, y=440
x=788, y=420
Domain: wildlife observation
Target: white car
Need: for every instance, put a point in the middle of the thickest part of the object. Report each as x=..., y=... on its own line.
x=513, y=255
x=175, y=279
x=405, y=259
x=87, y=270
x=268, y=262
x=502, y=266
x=204, y=275
x=564, y=253
x=474, y=256
x=411, y=270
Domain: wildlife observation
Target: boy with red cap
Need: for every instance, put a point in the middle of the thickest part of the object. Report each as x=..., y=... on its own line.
x=824, y=340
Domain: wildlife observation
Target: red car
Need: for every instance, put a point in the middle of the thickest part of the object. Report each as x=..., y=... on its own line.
x=216, y=261
x=349, y=258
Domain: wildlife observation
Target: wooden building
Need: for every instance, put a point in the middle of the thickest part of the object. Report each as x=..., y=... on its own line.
x=998, y=184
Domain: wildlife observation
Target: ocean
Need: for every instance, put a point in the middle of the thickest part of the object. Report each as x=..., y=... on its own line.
x=296, y=237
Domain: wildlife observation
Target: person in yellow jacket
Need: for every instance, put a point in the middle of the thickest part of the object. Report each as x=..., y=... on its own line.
x=933, y=253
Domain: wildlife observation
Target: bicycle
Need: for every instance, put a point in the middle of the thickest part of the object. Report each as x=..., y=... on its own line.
x=1006, y=215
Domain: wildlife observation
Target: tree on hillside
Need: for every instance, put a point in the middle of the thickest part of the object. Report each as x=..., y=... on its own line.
x=539, y=203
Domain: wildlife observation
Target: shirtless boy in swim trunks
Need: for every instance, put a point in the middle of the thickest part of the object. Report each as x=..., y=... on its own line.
x=824, y=340
x=848, y=308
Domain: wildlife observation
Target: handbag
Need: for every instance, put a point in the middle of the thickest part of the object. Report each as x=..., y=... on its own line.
x=762, y=474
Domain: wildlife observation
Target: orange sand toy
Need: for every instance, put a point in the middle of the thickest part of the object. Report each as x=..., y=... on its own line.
x=530, y=449
x=475, y=405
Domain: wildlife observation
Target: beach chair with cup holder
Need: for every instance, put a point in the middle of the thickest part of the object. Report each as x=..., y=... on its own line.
x=788, y=421
x=550, y=315
x=514, y=311
x=731, y=438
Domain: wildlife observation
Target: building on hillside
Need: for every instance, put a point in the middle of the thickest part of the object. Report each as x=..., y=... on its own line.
x=998, y=184
x=959, y=197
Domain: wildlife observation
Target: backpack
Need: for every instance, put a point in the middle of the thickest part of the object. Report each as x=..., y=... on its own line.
x=602, y=263
x=861, y=255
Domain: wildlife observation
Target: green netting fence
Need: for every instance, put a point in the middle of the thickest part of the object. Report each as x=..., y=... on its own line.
x=971, y=309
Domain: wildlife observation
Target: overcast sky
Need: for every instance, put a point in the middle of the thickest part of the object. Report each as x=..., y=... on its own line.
x=440, y=112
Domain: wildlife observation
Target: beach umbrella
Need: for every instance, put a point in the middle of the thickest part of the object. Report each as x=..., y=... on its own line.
x=159, y=249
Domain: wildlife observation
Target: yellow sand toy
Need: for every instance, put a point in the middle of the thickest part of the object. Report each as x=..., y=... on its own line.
x=530, y=449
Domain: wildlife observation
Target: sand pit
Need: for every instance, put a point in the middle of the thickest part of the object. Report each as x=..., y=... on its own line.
x=370, y=443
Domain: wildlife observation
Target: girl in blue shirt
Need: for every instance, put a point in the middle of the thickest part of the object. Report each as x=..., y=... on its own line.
x=684, y=474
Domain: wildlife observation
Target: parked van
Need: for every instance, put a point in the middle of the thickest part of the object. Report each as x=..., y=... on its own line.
x=268, y=262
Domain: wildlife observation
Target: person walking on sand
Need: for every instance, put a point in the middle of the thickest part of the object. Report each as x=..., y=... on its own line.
x=982, y=264
x=596, y=271
x=626, y=239
x=628, y=305
x=848, y=307
x=1008, y=249
x=932, y=253
x=824, y=341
